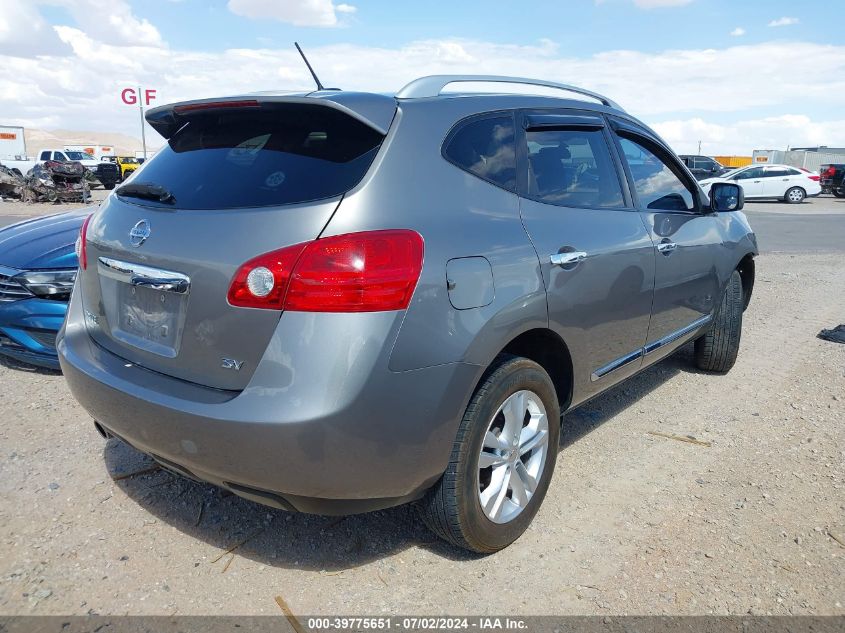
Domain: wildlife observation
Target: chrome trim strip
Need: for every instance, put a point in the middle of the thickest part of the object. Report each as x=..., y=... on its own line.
x=601, y=372
x=674, y=336
x=616, y=364
x=140, y=275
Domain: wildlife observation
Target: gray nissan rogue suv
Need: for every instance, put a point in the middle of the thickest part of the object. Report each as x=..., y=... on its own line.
x=334, y=302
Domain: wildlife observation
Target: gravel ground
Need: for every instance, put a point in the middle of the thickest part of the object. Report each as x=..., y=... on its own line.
x=634, y=523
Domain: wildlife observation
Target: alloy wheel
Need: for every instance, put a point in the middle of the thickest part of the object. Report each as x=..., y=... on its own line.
x=513, y=456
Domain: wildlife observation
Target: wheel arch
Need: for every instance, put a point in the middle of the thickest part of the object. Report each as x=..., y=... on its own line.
x=547, y=349
x=747, y=272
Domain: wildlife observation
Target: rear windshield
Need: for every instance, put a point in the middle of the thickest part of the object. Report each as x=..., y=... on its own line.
x=255, y=157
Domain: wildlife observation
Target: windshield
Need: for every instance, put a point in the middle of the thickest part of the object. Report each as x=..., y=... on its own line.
x=282, y=154
x=78, y=156
x=732, y=173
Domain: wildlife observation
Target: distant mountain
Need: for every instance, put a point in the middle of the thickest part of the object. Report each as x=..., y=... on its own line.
x=123, y=144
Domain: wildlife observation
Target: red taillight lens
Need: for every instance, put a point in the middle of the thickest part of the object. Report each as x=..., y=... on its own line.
x=280, y=264
x=814, y=177
x=81, y=246
x=372, y=271
x=358, y=272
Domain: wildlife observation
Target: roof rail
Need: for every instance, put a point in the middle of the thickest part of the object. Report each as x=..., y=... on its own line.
x=433, y=85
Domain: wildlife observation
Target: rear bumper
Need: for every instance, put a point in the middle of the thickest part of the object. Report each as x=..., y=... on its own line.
x=352, y=437
x=28, y=329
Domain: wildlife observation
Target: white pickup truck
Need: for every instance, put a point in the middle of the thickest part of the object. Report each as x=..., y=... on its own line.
x=107, y=173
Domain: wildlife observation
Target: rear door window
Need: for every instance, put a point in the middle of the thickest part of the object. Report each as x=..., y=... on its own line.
x=748, y=174
x=274, y=155
x=777, y=172
x=572, y=168
x=485, y=147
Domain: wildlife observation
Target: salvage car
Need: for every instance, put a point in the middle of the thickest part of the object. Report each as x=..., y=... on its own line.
x=778, y=182
x=833, y=179
x=37, y=269
x=11, y=183
x=420, y=286
x=57, y=181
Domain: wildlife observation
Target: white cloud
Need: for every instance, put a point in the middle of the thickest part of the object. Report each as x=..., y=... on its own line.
x=296, y=12
x=111, y=22
x=785, y=21
x=738, y=32
x=23, y=32
x=681, y=91
x=740, y=138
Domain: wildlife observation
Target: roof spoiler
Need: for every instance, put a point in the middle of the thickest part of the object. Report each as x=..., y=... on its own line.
x=168, y=119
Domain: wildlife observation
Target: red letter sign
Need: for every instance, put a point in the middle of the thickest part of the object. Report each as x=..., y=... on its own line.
x=128, y=96
x=149, y=95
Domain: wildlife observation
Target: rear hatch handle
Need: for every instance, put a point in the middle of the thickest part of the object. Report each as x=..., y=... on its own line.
x=146, y=276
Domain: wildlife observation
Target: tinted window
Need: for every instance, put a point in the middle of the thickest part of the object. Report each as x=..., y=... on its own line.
x=705, y=163
x=572, y=168
x=777, y=172
x=655, y=181
x=485, y=147
x=279, y=154
x=45, y=156
x=753, y=172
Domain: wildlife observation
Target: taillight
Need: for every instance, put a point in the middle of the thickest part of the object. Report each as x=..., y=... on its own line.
x=814, y=177
x=263, y=281
x=214, y=105
x=81, y=246
x=372, y=271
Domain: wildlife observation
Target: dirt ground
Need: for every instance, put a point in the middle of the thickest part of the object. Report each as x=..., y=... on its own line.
x=753, y=521
x=23, y=210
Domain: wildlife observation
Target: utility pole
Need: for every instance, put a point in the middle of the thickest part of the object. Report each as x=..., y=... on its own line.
x=699, y=147
x=143, y=133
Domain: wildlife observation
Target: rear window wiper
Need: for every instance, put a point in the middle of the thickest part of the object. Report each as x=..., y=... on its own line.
x=146, y=191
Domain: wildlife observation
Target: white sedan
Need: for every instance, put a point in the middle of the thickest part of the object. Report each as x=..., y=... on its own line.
x=782, y=182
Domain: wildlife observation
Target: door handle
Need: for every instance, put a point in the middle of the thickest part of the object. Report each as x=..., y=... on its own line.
x=667, y=248
x=163, y=284
x=567, y=259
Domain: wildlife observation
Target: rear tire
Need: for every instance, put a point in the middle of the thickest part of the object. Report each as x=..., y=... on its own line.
x=717, y=350
x=794, y=195
x=453, y=508
x=839, y=193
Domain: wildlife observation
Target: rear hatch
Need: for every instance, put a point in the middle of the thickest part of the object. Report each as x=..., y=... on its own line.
x=236, y=179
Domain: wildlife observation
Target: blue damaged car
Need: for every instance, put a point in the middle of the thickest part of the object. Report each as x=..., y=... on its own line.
x=37, y=269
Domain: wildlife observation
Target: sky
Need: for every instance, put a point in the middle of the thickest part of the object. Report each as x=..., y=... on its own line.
x=734, y=75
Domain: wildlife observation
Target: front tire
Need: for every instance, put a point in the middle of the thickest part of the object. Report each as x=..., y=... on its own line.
x=794, y=195
x=502, y=460
x=717, y=350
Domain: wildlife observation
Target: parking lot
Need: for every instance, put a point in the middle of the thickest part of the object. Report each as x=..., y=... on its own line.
x=749, y=518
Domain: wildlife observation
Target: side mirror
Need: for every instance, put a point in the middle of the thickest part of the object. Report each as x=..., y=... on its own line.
x=725, y=196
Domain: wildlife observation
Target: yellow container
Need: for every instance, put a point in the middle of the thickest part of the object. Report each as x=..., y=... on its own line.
x=733, y=161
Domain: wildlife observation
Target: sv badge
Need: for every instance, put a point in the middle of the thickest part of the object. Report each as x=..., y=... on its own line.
x=231, y=363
